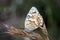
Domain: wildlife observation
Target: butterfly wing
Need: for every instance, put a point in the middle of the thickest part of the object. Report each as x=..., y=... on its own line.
x=33, y=19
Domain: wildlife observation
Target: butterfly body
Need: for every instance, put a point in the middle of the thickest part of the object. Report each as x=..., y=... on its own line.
x=33, y=19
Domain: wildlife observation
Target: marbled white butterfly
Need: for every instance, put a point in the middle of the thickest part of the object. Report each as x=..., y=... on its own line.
x=33, y=19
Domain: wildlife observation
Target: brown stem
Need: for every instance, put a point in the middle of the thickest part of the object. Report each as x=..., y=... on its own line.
x=45, y=32
x=19, y=32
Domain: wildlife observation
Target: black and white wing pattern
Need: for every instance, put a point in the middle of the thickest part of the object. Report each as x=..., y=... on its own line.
x=33, y=19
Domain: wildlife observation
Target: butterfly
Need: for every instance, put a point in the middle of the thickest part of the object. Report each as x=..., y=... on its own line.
x=33, y=20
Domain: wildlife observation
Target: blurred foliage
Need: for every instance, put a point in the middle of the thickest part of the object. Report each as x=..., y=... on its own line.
x=49, y=9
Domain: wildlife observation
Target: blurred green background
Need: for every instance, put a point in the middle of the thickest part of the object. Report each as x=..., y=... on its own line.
x=13, y=12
